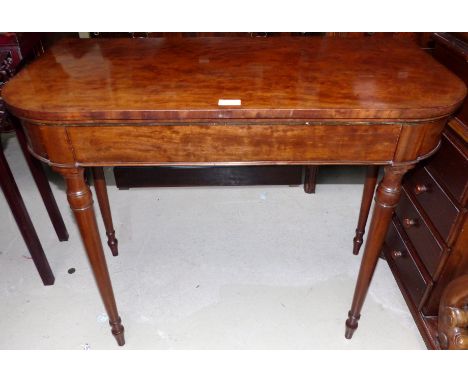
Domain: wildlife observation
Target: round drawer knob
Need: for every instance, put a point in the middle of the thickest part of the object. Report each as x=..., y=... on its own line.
x=396, y=254
x=421, y=189
x=410, y=222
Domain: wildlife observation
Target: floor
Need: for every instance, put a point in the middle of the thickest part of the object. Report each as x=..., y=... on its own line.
x=202, y=268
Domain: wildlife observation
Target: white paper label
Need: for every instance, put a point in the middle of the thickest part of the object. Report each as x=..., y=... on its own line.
x=229, y=102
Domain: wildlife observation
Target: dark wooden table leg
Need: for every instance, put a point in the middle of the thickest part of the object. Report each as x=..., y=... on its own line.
x=103, y=200
x=367, y=194
x=18, y=209
x=386, y=199
x=37, y=170
x=310, y=179
x=81, y=203
x=453, y=315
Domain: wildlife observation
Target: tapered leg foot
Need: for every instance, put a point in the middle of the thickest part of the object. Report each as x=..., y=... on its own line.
x=367, y=194
x=357, y=241
x=112, y=242
x=386, y=199
x=118, y=331
x=103, y=200
x=351, y=325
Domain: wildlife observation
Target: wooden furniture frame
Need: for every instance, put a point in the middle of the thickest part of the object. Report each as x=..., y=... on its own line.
x=159, y=102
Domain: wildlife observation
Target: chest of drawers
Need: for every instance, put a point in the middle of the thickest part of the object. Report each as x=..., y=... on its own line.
x=427, y=244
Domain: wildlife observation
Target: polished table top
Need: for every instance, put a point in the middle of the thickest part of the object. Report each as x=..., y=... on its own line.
x=287, y=78
x=93, y=103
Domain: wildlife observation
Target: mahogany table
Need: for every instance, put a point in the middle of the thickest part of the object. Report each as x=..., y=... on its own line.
x=93, y=103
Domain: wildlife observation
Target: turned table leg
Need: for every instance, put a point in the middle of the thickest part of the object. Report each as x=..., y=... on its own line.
x=310, y=179
x=81, y=202
x=368, y=192
x=37, y=171
x=103, y=200
x=25, y=225
x=386, y=199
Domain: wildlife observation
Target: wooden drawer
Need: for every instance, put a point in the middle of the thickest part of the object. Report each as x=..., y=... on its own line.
x=402, y=262
x=435, y=202
x=450, y=166
x=423, y=240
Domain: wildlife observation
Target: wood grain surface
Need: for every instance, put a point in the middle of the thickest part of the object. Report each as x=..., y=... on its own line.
x=173, y=79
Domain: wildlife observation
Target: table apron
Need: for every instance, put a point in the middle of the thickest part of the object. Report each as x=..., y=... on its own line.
x=66, y=145
x=233, y=143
